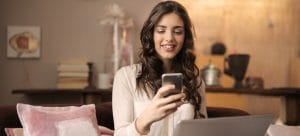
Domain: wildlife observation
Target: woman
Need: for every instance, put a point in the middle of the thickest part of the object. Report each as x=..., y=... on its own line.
x=141, y=105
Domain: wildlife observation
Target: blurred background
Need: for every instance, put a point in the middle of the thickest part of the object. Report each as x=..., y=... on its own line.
x=267, y=30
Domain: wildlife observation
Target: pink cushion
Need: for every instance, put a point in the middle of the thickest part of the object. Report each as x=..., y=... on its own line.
x=58, y=121
x=19, y=131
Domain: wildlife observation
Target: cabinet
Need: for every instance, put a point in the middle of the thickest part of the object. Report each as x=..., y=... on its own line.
x=65, y=96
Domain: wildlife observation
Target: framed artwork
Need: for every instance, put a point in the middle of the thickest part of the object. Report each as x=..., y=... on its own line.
x=23, y=42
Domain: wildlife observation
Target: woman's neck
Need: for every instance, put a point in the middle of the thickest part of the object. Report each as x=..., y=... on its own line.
x=167, y=66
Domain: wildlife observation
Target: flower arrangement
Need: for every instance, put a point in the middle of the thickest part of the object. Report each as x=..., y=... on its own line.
x=122, y=49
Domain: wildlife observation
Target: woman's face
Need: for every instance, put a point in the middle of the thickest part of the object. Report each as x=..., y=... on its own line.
x=168, y=36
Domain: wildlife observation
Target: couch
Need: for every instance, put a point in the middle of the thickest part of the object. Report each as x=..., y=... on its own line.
x=9, y=117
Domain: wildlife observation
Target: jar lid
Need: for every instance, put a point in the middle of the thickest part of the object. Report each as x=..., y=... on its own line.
x=210, y=66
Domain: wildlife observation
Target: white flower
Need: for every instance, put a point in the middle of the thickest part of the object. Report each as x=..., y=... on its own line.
x=114, y=13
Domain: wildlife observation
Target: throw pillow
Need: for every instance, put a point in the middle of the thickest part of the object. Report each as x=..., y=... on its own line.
x=55, y=121
x=19, y=131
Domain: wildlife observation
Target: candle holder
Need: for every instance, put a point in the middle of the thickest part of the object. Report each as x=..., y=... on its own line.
x=235, y=65
x=90, y=76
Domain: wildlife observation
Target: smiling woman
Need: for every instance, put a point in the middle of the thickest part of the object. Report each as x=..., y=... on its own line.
x=141, y=104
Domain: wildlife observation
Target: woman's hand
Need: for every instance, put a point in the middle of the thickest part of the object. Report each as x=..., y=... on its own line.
x=161, y=106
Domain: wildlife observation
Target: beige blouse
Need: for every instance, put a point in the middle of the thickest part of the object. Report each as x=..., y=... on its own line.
x=129, y=103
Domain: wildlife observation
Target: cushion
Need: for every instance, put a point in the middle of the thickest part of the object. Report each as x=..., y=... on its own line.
x=79, y=127
x=19, y=131
x=58, y=121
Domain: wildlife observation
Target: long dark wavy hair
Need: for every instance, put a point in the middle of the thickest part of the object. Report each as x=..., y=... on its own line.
x=184, y=62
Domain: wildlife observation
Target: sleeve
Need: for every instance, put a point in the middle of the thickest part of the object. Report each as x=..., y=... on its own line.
x=122, y=100
x=202, y=93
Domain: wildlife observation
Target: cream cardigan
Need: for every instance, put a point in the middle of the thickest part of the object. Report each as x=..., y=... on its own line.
x=128, y=104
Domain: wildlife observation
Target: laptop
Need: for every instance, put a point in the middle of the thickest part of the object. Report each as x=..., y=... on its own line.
x=250, y=125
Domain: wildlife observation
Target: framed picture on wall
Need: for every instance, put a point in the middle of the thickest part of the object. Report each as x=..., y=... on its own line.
x=23, y=41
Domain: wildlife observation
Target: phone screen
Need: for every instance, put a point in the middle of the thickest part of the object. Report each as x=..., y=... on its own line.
x=175, y=79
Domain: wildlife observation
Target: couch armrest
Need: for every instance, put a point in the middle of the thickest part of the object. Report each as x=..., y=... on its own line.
x=105, y=115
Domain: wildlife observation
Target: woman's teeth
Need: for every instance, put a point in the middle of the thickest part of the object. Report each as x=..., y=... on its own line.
x=168, y=47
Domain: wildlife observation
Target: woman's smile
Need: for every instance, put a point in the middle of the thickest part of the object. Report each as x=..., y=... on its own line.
x=168, y=47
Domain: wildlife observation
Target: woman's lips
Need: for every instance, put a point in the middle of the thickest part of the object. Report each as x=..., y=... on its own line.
x=168, y=47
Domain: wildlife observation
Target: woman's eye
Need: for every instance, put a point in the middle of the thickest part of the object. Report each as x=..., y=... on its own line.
x=160, y=31
x=178, y=32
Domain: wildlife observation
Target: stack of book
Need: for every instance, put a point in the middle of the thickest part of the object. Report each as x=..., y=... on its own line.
x=72, y=75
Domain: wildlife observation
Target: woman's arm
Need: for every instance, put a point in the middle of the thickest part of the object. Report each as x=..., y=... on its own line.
x=160, y=107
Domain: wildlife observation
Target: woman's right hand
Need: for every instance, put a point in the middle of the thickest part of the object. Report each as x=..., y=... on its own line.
x=161, y=106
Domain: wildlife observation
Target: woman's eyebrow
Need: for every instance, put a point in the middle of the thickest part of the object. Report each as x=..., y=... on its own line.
x=162, y=26
x=178, y=26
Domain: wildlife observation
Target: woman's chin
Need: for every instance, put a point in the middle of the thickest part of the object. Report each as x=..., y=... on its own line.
x=168, y=57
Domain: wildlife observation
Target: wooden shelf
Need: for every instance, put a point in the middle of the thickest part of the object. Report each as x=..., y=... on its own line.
x=266, y=92
x=62, y=91
x=54, y=95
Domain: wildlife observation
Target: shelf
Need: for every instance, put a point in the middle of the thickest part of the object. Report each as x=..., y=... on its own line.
x=54, y=95
x=62, y=91
x=286, y=91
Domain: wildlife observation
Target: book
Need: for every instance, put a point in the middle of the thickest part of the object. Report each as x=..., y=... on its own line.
x=73, y=74
x=72, y=79
x=73, y=68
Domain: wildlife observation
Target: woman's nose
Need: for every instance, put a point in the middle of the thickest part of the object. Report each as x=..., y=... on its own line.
x=169, y=36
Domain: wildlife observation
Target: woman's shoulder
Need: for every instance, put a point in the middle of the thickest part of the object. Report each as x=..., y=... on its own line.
x=127, y=76
x=130, y=69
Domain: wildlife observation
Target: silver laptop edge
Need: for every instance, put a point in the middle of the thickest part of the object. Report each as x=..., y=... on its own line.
x=251, y=125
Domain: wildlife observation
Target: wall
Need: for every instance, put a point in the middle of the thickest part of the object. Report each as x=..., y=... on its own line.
x=268, y=30
x=70, y=29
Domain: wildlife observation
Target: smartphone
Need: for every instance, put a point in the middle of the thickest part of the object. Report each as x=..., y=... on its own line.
x=175, y=79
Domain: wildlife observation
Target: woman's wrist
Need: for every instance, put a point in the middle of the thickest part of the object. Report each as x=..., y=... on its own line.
x=142, y=126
